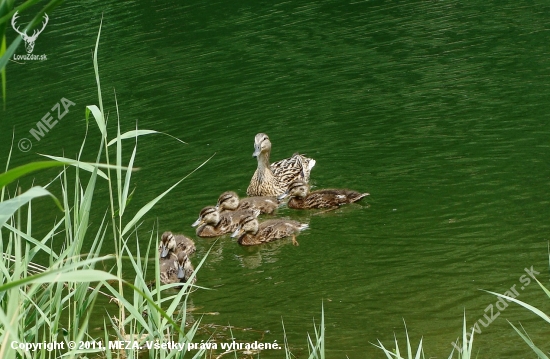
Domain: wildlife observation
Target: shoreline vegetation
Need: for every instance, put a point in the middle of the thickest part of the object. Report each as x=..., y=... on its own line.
x=54, y=304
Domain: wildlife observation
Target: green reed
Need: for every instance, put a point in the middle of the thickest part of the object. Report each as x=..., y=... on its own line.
x=53, y=303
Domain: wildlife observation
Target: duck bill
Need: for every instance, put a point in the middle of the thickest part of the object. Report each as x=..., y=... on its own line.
x=181, y=274
x=164, y=252
x=237, y=233
x=281, y=196
x=256, y=151
x=197, y=222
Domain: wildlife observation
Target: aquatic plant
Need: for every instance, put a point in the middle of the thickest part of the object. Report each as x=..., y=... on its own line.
x=522, y=333
x=464, y=350
x=51, y=306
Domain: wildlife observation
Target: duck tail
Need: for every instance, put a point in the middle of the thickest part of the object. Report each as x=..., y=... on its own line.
x=359, y=196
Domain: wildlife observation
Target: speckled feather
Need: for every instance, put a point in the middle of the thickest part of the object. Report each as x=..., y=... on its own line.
x=229, y=201
x=175, y=243
x=251, y=232
x=301, y=198
x=212, y=223
x=273, y=179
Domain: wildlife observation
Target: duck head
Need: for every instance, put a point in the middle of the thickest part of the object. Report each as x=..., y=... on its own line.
x=261, y=144
x=208, y=215
x=297, y=189
x=167, y=243
x=180, y=264
x=228, y=201
x=248, y=224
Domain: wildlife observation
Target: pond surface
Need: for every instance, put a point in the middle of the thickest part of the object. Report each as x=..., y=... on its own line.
x=438, y=109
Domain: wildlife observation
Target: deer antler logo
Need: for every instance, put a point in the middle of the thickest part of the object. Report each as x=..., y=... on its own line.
x=29, y=40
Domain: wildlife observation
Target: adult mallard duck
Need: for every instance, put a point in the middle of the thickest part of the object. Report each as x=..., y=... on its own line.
x=273, y=180
x=212, y=223
x=176, y=268
x=301, y=198
x=175, y=243
x=250, y=232
x=229, y=201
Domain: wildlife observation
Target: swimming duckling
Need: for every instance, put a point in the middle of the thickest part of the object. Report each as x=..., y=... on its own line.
x=301, y=198
x=229, y=201
x=176, y=268
x=273, y=180
x=175, y=243
x=212, y=223
x=250, y=232
x=185, y=268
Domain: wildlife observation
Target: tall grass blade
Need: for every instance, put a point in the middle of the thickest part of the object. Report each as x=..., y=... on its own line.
x=86, y=165
x=127, y=178
x=523, y=304
x=8, y=207
x=98, y=116
x=529, y=342
x=135, y=133
x=18, y=172
x=3, y=70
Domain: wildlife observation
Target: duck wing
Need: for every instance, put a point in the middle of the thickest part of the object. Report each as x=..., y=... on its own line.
x=297, y=167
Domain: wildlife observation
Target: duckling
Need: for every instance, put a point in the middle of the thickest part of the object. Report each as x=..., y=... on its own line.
x=250, y=232
x=301, y=198
x=176, y=268
x=273, y=180
x=185, y=268
x=212, y=223
x=229, y=201
x=168, y=268
x=175, y=243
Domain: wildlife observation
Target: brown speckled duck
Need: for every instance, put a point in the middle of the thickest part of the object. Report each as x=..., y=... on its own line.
x=229, y=201
x=301, y=198
x=273, y=180
x=212, y=223
x=176, y=268
x=175, y=243
x=250, y=232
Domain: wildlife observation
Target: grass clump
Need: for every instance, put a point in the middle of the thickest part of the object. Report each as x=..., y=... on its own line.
x=53, y=304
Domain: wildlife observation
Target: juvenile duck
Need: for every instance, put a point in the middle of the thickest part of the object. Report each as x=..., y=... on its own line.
x=175, y=243
x=273, y=180
x=250, y=232
x=212, y=223
x=229, y=201
x=176, y=268
x=301, y=198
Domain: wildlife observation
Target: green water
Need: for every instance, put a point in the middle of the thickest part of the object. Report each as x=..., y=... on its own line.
x=438, y=109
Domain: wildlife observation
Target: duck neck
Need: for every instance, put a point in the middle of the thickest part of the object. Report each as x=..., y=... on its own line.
x=264, y=168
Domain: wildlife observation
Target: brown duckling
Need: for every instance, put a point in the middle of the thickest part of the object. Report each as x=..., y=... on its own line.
x=273, y=179
x=250, y=232
x=301, y=198
x=176, y=268
x=229, y=201
x=212, y=223
x=175, y=243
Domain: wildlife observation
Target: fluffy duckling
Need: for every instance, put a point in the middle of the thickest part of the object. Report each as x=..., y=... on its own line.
x=212, y=223
x=250, y=232
x=301, y=198
x=176, y=268
x=273, y=180
x=175, y=243
x=229, y=201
